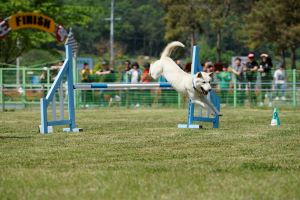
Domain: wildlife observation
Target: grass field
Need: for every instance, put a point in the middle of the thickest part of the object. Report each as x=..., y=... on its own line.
x=140, y=154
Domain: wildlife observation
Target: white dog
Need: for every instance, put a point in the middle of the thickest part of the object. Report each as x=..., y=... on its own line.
x=196, y=87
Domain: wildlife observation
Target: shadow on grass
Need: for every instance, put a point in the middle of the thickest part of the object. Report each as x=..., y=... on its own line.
x=260, y=166
x=14, y=137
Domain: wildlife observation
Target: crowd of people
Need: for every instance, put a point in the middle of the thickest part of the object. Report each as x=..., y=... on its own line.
x=130, y=73
x=251, y=76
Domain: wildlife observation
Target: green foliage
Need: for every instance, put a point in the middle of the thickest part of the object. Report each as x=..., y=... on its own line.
x=226, y=24
x=29, y=58
x=276, y=22
x=183, y=20
x=28, y=39
x=206, y=52
x=225, y=27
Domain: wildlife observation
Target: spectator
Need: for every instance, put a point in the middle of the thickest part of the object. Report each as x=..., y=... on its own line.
x=125, y=78
x=207, y=65
x=55, y=69
x=106, y=69
x=44, y=75
x=107, y=75
x=125, y=75
x=146, y=78
x=279, y=80
x=188, y=67
x=213, y=68
x=237, y=70
x=266, y=77
x=43, y=79
x=178, y=62
x=224, y=78
x=135, y=73
x=85, y=78
x=251, y=77
x=85, y=73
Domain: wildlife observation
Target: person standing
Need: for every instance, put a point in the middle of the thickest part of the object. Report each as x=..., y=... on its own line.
x=55, y=69
x=125, y=75
x=44, y=79
x=224, y=78
x=238, y=71
x=85, y=73
x=135, y=73
x=125, y=78
x=146, y=78
x=106, y=74
x=251, y=77
x=279, y=80
x=85, y=78
x=265, y=68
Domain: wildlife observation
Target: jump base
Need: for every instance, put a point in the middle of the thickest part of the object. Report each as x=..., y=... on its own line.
x=75, y=130
x=49, y=129
x=193, y=126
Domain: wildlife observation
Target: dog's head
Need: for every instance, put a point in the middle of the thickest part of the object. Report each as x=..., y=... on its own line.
x=202, y=82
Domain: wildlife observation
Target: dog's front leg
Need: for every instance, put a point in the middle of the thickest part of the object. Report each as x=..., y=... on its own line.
x=199, y=103
x=212, y=107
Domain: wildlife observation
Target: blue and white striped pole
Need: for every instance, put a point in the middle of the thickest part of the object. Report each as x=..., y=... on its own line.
x=121, y=86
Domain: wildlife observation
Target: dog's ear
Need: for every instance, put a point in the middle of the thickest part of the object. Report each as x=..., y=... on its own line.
x=211, y=74
x=199, y=75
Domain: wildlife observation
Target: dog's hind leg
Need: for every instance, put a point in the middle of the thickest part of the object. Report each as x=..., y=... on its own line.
x=156, y=69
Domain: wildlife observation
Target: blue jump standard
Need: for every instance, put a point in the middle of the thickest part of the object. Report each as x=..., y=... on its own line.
x=196, y=67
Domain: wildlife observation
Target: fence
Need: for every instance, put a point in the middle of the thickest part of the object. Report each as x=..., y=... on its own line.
x=35, y=82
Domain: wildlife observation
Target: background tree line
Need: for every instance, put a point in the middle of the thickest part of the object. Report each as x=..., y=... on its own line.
x=222, y=27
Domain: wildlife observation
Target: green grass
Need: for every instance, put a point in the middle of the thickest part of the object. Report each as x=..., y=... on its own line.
x=140, y=154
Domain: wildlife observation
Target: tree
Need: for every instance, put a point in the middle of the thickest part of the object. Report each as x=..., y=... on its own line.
x=217, y=12
x=291, y=29
x=276, y=22
x=211, y=18
x=17, y=42
x=183, y=20
x=139, y=31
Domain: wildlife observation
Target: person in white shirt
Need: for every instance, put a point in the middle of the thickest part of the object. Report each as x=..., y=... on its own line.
x=279, y=80
x=135, y=73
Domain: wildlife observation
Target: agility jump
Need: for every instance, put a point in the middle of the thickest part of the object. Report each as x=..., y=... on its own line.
x=67, y=71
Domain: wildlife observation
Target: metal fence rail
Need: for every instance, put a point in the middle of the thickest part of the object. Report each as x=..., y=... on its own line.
x=31, y=88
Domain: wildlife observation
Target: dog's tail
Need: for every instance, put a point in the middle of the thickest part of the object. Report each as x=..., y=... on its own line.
x=170, y=47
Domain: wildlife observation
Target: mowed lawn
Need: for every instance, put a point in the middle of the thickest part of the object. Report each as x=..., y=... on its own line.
x=140, y=154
